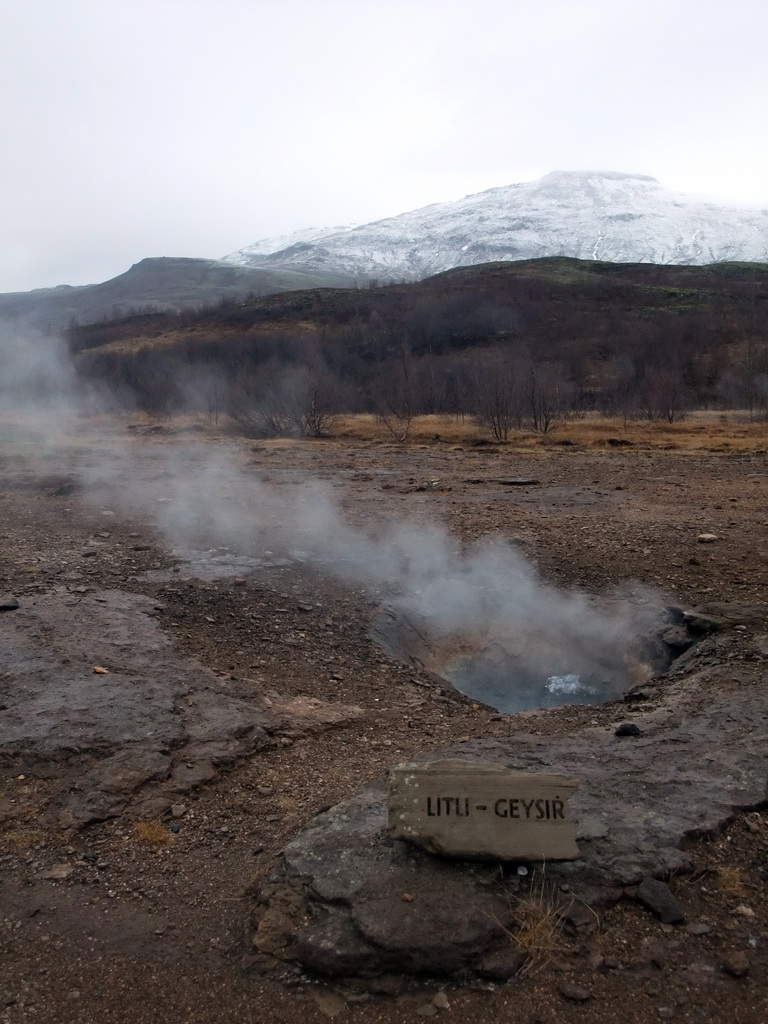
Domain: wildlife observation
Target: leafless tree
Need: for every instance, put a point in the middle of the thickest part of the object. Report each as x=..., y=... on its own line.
x=495, y=396
x=394, y=394
x=547, y=395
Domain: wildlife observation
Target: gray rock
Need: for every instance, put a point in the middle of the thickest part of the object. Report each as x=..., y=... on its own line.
x=8, y=604
x=658, y=897
x=573, y=992
x=628, y=729
x=736, y=964
x=332, y=945
x=701, y=624
x=57, y=871
x=698, y=928
x=678, y=638
x=580, y=918
x=155, y=726
x=500, y=965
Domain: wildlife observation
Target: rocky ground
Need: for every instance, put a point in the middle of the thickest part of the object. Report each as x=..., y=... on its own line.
x=145, y=807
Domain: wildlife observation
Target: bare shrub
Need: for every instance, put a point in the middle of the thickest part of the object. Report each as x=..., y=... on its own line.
x=294, y=401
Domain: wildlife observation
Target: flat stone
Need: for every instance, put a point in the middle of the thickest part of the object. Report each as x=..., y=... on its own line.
x=501, y=965
x=154, y=727
x=461, y=808
x=8, y=604
x=57, y=871
x=698, y=928
x=330, y=1004
x=701, y=624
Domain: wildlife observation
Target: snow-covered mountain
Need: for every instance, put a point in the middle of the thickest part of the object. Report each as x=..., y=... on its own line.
x=620, y=218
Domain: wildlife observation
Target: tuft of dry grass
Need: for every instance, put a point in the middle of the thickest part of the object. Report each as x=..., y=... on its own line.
x=22, y=839
x=154, y=833
x=537, y=925
x=730, y=880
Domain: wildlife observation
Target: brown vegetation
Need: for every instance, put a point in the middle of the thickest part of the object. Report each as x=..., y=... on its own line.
x=518, y=346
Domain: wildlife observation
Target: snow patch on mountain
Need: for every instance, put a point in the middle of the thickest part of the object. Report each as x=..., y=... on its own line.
x=595, y=215
x=251, y=254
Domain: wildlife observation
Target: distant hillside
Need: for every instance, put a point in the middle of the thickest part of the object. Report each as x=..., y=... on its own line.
x=601, y=331
x=162, y=284
x=594, y=215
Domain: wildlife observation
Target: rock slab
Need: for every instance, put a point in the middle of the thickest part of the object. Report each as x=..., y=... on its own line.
x=482, y=811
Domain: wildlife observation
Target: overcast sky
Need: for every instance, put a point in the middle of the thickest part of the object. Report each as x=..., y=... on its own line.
x=134, y=128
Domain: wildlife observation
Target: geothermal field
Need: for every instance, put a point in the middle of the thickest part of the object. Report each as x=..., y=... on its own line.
x=213, y=650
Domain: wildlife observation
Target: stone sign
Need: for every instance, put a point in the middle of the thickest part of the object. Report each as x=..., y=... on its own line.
x=483, y=811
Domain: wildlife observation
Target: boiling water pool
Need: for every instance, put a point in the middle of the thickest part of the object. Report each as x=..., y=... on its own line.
x=510, y=688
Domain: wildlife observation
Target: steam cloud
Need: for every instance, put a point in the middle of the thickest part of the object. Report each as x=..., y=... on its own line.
x=205, y=495
x=486, y=598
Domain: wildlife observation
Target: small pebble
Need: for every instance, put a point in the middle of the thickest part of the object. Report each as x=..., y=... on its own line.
x=736, y=964
x=575, y=993
x=698, y=928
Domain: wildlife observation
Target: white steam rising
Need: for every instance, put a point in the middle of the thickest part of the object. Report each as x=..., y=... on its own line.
x=487, y=594
x=37, y=383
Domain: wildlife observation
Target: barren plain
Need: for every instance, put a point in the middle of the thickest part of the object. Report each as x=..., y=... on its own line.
x=128, y=889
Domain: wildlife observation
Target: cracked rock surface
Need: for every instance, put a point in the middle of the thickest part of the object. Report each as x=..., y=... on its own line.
x=133, y=723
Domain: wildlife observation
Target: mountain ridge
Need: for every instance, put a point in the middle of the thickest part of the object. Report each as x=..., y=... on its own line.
x=159, y=283
x=603, y=215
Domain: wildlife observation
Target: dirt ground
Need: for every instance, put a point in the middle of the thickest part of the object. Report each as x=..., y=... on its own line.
x=149, y=925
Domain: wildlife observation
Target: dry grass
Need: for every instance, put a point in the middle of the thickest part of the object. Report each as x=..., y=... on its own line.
x=21, y=839
x=730, y=880
x=154, y=833
x=702, y=431
x=423, y=429
x=705, y=431
x=537, y=925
